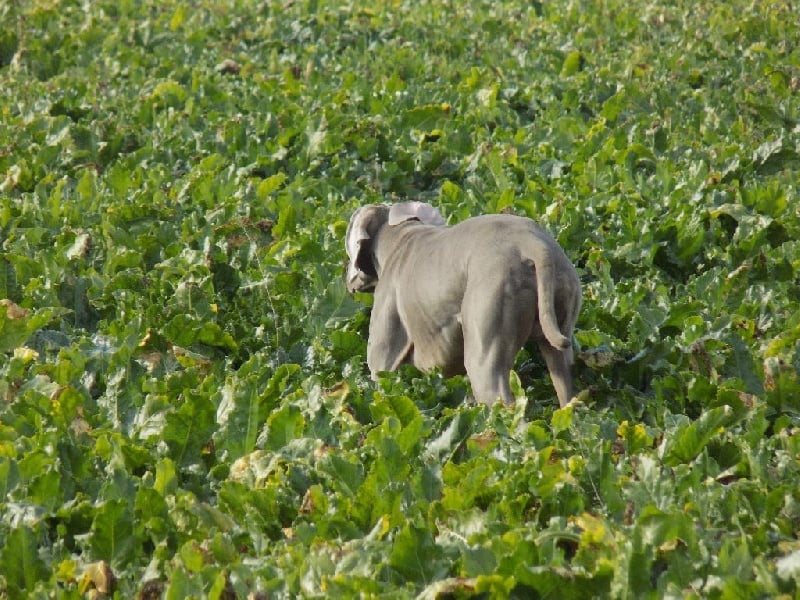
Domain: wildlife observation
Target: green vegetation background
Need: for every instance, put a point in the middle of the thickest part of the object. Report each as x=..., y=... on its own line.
x=184, y=410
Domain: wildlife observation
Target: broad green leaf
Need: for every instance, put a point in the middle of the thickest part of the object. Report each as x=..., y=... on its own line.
x=184, y=330
x=166, y=482
x=347, y=344
x=283, y=426
x=192, y=556
x=415, y=556
x=112, y=536
x=22, y=566
x=425, y=116
x=685, y=443
x=17, y=324
x=182, y=585
x=270, y=184
x=9, y=476
x=346, y=475
x=464, y=483
x=660, y=528
x=561, y=420
x=245, y=403
x=559, y=582
x=442, y=447
x=410, y=438
x=188, y=430
x=394, y=405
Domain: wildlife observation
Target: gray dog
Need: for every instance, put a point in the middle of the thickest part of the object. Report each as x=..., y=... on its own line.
x=463, y=298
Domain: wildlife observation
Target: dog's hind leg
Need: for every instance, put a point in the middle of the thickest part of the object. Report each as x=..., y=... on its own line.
x=496, y=319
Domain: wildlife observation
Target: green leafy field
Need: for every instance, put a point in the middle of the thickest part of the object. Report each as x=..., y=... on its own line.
x=184, y=404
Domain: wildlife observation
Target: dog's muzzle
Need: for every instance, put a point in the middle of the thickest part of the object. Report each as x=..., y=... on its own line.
x=358, y=281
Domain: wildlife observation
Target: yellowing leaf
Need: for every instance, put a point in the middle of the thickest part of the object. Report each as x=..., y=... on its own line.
x=178, y=17
x=572, y=63
x=170, y=92
x=635, y=436
x=25, y=354
x=189, y=359
x=594, y=530
x=66, y=570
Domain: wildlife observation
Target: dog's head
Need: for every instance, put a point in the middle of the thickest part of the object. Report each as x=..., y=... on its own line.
x=366, y=222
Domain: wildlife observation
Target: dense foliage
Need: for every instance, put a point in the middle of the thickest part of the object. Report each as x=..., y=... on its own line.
x=184, y=407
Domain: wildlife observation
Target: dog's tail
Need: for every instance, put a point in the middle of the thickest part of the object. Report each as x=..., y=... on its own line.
x=545, y=292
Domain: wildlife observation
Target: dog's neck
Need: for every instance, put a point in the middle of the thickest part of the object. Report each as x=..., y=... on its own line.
x=391, y=240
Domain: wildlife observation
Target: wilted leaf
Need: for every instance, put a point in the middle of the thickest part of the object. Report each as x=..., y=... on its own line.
x=97, y=576
x=788, y=567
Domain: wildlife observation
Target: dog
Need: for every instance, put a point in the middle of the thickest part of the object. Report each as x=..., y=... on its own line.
x=464, y=298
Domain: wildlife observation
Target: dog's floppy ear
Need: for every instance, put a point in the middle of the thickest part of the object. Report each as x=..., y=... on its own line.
x=406, y=211
x=362, y=274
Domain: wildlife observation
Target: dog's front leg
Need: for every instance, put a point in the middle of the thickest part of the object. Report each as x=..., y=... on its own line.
x=389, y=344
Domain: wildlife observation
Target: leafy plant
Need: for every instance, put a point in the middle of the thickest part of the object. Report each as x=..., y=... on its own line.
x=184, y=406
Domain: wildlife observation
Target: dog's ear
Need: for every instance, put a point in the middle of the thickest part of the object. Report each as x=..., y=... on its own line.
x=362, y=274
x=421, y=211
